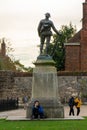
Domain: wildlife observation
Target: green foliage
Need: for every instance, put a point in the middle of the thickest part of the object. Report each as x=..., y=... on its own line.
x=21, y=68
x=7, y=64
x=56, y=48
x=67, y=31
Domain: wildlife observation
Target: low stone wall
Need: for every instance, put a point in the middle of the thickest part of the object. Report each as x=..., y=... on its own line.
x=20, y=84
x=13, y=85
x=6, y=83
x=72, y=83
x=23, y=86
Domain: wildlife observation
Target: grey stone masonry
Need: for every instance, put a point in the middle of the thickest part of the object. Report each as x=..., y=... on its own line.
x=6, y=83
x=18, y=86
x=45, y=90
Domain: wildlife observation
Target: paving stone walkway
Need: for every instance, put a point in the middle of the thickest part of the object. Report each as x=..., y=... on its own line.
x=20, y=114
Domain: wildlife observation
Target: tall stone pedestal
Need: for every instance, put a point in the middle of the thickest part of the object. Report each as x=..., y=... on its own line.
x=45, y=89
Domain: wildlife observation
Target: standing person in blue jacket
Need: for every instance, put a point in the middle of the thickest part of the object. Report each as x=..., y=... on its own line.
x=37, y=110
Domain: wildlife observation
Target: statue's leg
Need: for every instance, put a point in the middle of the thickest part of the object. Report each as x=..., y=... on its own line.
x=42, y=44
x=47, y=43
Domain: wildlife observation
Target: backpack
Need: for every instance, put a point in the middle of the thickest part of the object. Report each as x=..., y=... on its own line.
x=45, y=26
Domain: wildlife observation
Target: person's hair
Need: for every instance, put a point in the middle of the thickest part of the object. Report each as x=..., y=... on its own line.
x=36, y=101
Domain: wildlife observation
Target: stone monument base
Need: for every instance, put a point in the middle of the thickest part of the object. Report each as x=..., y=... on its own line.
x=45, y=88
x=51, y=108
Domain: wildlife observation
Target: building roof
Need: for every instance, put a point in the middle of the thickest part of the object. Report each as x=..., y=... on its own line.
x=76, y=38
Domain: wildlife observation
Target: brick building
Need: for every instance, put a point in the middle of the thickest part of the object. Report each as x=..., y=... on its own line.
x=76, y=48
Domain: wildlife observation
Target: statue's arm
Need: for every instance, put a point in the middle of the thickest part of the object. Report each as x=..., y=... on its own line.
x=54, y=29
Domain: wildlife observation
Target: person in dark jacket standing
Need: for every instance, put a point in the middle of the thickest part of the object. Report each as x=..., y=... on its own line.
x=71, y=105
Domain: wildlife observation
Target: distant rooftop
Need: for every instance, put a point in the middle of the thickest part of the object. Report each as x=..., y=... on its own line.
x=76, y=38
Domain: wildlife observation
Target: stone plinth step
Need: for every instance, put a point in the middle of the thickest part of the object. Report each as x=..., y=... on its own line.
x=22, y=118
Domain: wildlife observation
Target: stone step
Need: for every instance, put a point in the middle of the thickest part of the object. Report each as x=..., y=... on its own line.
x=22, y=118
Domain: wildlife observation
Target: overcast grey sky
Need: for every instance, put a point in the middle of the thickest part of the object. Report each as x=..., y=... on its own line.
x=19, y=20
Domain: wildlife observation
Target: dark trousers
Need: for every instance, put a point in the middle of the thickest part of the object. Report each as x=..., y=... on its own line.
x=71, y=111
x=35, y=113
x=78, y=110
x=42, y=40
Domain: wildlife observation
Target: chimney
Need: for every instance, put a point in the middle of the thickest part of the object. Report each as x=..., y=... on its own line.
x=3, y=48
x=84, y=20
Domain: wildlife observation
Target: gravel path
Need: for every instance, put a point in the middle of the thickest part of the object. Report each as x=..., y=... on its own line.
x=22, y=112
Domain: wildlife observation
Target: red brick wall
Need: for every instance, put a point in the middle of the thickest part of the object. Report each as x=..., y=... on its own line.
x=84, y=39
x=84, y=50
x=72, y=61
x=76, y=56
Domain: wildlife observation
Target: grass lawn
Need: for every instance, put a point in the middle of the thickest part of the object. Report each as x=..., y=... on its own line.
x=44, y=125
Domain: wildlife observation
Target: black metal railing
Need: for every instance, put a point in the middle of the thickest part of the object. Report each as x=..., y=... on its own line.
x=8, y=104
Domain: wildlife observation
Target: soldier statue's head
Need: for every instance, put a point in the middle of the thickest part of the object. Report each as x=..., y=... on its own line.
x=47, y=15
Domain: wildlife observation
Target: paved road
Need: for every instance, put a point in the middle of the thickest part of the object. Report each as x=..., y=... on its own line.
x=22, y=112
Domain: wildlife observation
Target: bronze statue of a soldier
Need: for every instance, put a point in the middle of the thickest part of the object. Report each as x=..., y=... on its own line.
x=45, y=33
